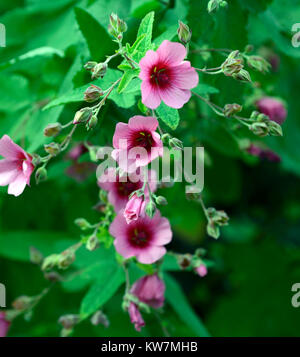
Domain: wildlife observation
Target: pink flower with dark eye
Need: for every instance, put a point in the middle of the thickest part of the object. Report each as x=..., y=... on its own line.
x=16, y=167
x=151, y=290
x=120, y=188
x=273, y=108
x=4, y=324
x=135, y=208
x=201, y=270
x=136, y=143
x=144, y=238
x=80, y=171
x=264, y=154
x=166, y=76
x=135, y=316
x=76, y=152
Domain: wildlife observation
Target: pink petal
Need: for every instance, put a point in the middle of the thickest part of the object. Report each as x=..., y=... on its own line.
x=10, y=150
x=163, y=232
x=151, y=254
x=8, y=171
x=172, y=53
x=18, y=185
x=140, y=123
x=175, y=97
x=122, y=132
x=147, y=62
x=185, y=76
x=150, y=95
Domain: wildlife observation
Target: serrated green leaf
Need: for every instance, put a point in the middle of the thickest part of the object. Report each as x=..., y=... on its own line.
x=169, y=116
x=145, y=28
x=127, y=78
x=203, y=89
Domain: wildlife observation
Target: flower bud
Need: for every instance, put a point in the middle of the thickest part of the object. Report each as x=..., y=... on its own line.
x=184, y=33
x=176, y=143
x=201, y=270
x=184, y=261
x=36, y=159
x=69, y=321
x=89, y=66
x=92, y=123
x=213, y=230
x=165, y=138
x=259, y=129
x=53, y=276
x=92, y=93
x=232, y=109
x=233, y=64
x=213, y=5
x=82, y=223
x=248, y=48
x=92, y=243
x=22, y=302
x=52, y=129
x=275, y=129
x=36, y=257
x=50, y=262
x=40, y=175
x=242, y=75
x=65, y=259
x=150, y=209
x=99, y=318
x=258, y=63
x=99, y=70
x=83, y=115
x=53, y=148
x=116, y=26
x=219, y=217
x=161, y=200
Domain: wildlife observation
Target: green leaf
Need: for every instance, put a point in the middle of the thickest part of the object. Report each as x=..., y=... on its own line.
x=169, y=116
x=177, y=299
x=145, y=28
x=98, y=40
x=127, y=78
x=203, y=89
x=110, y=279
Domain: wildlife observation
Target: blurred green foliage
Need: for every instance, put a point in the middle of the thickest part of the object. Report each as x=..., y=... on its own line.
x=248, y=291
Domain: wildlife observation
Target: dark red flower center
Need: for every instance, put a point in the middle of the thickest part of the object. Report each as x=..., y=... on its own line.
x=143, y=139
x=139, y=236
x=126, y=188
x=160, y=76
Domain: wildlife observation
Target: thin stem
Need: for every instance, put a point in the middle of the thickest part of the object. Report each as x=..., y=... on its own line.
x=199, y=50
x=203, y=207
x=164, y=329
x=127, y=278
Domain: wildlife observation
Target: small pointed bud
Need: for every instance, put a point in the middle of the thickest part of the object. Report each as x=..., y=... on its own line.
x=82, y=115
x=92, y=93
x=176, y=144
x=242, y=75
x=259, y=129
x=36, y=257
x=82, y=223
x=254, y=114
x=53, y=276
x=201, y=270
x=52, y=129
x=66, y=332
x=117, y=26
x=233, y=64
x=214, y=5
x=258, y=63
x=184, y=33
x=89, y=66
x=184, y=261
x=248, y=48
x=69, y=321
x=22, y=302
x=219, y=217
x=213, y=230
x=99, y=318
x=150, y=209
x=66, y=258
x=99, y=70
x=50, y=262
x=161, y=200
x=53, y=148
x=40, y=175
x=200, y=252
x=92, y=123
x=36, y=159
x=92, y=243
x=193, y=196
x=275, y=129
x=232, y=109
x=103, y=196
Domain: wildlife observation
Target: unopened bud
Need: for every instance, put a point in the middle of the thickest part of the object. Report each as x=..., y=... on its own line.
x=89, y=66
x=40, y=175
x=117, y=26
x=53, y=148
x=69, y=321
x=50, y=262
x=232, y=109
x=258, y=63
x=242, y=75
x=66, y=258
x=92, y=93
x=259, y=129
x=233, y=64
x=103, y=196
x=82, y=223
x=52, y=129
x=92, y=123
x=184, y=261
x=161, y=200
x=176, y=143
x=53, y=276
x=99, y=318
x=22, y=302
x=275, y=128
x=214, y=5
x=184, y=33
x=99, y=70
x=92, y=243
x=213, y=230
x=150, y=209
x=219, y=217
x=36, y=257
x=83, y=115
x=248, y=48
x=165, y=138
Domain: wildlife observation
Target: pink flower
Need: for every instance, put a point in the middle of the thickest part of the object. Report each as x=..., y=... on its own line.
x=264, y=154
x=144, y=238
x=4, y=324
x=201, y=270
x=76, y=152
x=151, y=290
x=273, y=108
x=166, y=76
x=16, y=167
x=80, y=171
x=134, y=208
x=120, y=188
x=136, y=143
x=135, y=316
